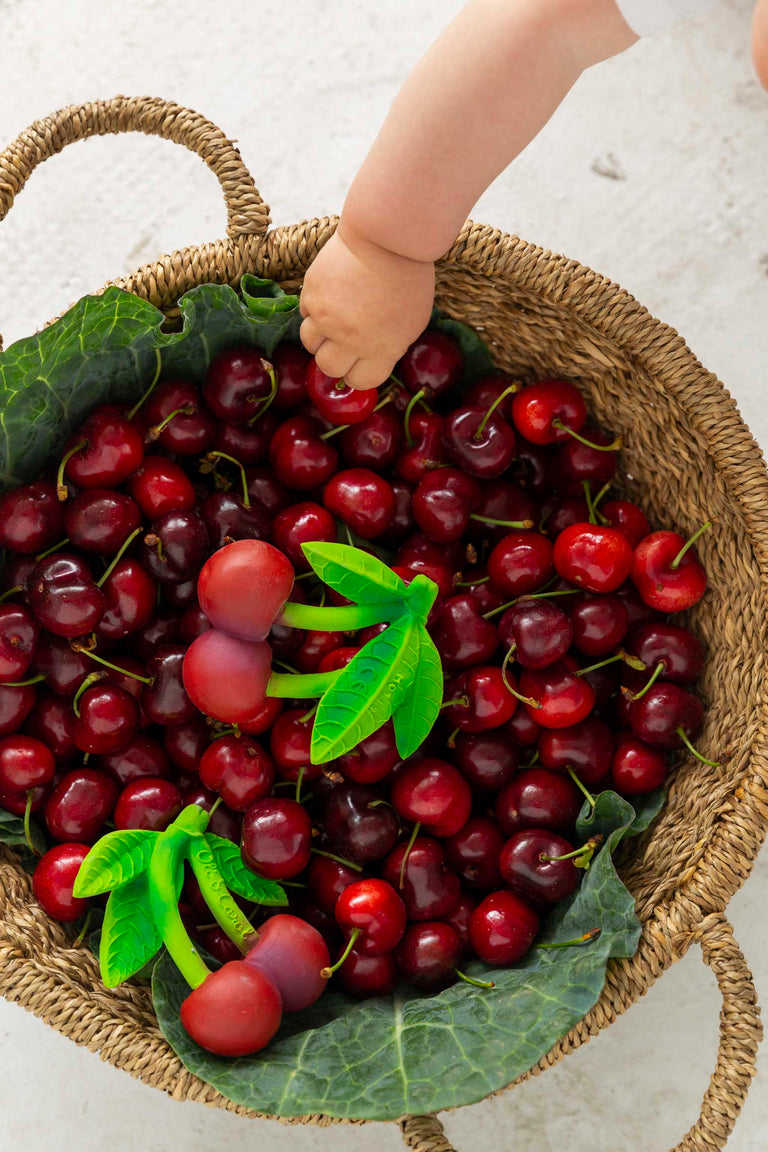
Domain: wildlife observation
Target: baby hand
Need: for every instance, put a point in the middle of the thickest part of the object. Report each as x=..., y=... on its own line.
x=362, y=307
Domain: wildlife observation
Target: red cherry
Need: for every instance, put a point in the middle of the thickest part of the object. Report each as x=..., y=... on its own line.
x=592, y=557
x=64, y=597
x=521, y=563
x=52, y=722
x=490, y=388
x=161, y=486
x=505, y=502
x=482, y=444
x=364, y=976
x=299, y=458
x=302, y=524
x=243, y=587
x=185, y=743
x=473, y=853
x=314, y=647
x=245, y=443
x=263, y=718
x=178, y=419
x=276, y=838
x=576, y=462
x=428, y=889
x=637, y=767
x=111, y=451
x=522, y=730
x=373, y=442
x=528, y=867
x=237, y=384
x=361, y=499
x=443, y=502
x=428, y=954
x=538, y=798
x=142, y=757
x=165, y=700
x=679, y=650
x=459, y=920
x=79, y=804
x=108, y=719
x=357, y=827
x=333, y=661
x=667, y=580
x=25, y=763
x=336, y=401
x=586, y=747
x=15, y=705
x=235, y=1011
x=226, y=678
x=373, y=907
x=600, y=623
x=31, y=518
x=544, y=412
x=432, y=793
x=99, y=520
x=372, y=759
x=433, y=363
x=502, y=928
x=483, y=700
x=488, y=760
x=289, y=743
x=426, y=452
x=238, y=769
x=53, y=881
x=326, y=881
x=663, y=712
x=462, y=636
x=18, y=640
x=630, y=520
x=130, y=596
x=565, y=698
x=193, y=623
x=538, y=631
x=559, y=514
x=151, y=803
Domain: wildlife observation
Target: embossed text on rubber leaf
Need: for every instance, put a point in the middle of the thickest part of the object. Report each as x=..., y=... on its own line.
x=240, y=879
x=378, y=1059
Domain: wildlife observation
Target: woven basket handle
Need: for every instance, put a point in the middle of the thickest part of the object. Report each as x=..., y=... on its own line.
x=740, y=1034
x=247, y=214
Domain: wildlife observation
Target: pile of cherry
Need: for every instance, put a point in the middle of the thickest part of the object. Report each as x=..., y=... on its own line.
x=564, y=676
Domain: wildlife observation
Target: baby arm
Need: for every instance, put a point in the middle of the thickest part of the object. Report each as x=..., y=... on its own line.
x=482, y=92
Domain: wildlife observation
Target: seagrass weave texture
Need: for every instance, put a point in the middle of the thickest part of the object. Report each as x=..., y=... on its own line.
x=688, y=456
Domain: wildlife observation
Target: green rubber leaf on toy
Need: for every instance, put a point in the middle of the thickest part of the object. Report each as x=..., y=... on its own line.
x=362, y=578
x=478, y=361
x=367, y=691
x=129, y=936
x=240, y=879
x=113, y=861
x=408, y=1052
x=416, y=716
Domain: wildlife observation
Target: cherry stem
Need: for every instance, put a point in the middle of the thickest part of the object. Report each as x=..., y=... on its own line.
x=27, y=826
x=61, y=487
x=11, y=592
x=86, y=925
x=600, y=496
x=582, y=787
x=23, y=683
x=142, y=401
x=612, y=447
x=288, y=667
x=408, y=847
x=326, y=973
x=154, y=433
x=471, y=583
x=269, y=369
x=694, y=752
x=632, y=662
x=90, y=679
x=676, y=562
x=451, y=741
x=530, y=596
x=387, y=399
x=223, y=456
x=100, y=660
x=502, y=396
x=309, y=714
x=215, y=805
x=119, y=555
x=651, y=680
x=299, y=779
x=587, y=938
x=335, y=431
x=513, y=691
x=471, y=980
x=462, y=700
x=52, y=549
x=501, y=523
x=339, y=859
x=407, y=418
x=346, y=618
x=582, y=857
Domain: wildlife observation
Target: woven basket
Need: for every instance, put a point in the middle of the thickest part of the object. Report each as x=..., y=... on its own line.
x=689, y=457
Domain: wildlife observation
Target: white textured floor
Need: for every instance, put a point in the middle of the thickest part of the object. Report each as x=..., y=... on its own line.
x=655, y=173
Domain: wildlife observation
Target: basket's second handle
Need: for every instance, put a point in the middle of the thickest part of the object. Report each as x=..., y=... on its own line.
x=247, y=214
x=740, y=1035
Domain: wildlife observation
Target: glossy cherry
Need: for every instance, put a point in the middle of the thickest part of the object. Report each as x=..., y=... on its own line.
x=586, y=747
x=374, y=909
x=276, y=838
x=52, y=721
x=463, y=638
x=637, y=768
x=64, y=596
x=592, y=557
x=482, y=444
x=538, y=631
x=161, y=630
x=143, y=756
x=186, y=742
x=522, y=729
x=53, y=881
x=302, y=524
x=336, y=401
x=425, y=450
x=473, y=853
x=165, y=700
x=298, y=456
x=31, y=518
x=564, y=697
x=365, y=976
x=18, y=640
x=362, y=500
x=428, y=889
x=289, y=743
x=227, y=518
x=239, y=769
x=179, y=421
x=628, y=518
x=176, y=546
x=434, y=794
x=576, y=462
x=600, y=623
x=150, y=803
x=237, y=384
x=681, y=653
x=527, y=866
x=559, y=513
x=373, y=442
x=108, y=718
x=501, y=504
x=459, y=920
x=130, y=596
x=100, y=520
x=482, y=699
x=372, y=760
x=428, y=954
x=160, y=486
x=538, y=798
x=79, y=804
x=433, y=363
x=545, y=412
x=668, y=578
x=487, y=760
x=246, y=443
x=521, y=562
x=104, y=452
x=327, y=879
x=356, y=826
x=443, y=503
x=25, y=764
x=502, y=928
x=665, y=709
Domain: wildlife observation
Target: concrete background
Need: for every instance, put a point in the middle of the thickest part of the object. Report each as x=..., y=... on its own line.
x=654, y=172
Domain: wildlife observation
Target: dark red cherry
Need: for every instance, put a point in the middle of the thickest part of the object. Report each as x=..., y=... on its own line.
x=372, y=759
x=143, y=756
x=151, y=804
x=302, y=524
x=521, y=562
x=289, y=743
x=564, y=697
x=428, y=954
x=637, y=768
x=538, y=631
x=357, y=827
x=130, y=596
x=15, y=706
x=218, y=944
x=64, y=597
x=600, y=623
x=193, y=623
x=501, y=503
x=327, y=879
x=52, y=721
x=575, y=463
x=587, y=748
x=433, y=793
x=463, y=638
x=276, y=838
x=290, y=363
x=485, y=391
x=364, y=976
x=165, y=700
x=111, y=450
x=544, y=412
x=18, y=640
x=487, y=760
x=247, y=443
x=665, y=709
x=182, y=595
x=373, y=909
x=107, y=721
x=31, y=518
x=473, y=853
x=186, y=742
x=482, y=444
x=178, y=420
x=443, y=503
x=433, y=363
x=237, y=383
x=161, y=486
x=428, y=889
x=424, y=450
x=529, y=865
x=538, y=798
x=534, y=468
x=314, y=647
x=239, y=769
x=25, y=764
x=54, y=879
x=667, y=580
x=224, y=822
x=79, y=804
x=63, y=668
x=362, y=500
x=482, y=699
x=502, y=928
x=630, y=520
x=299, y=458
x=176, y=545
x=373, y=442
x=15, y=574
x=459, y=920
x=681, y=652
x=100, y=520
x=263, y=489
x=162, y=629
x=638, y=612
x=592, y=557
x=522, y=730
x=336, y=401
x=561, y=512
